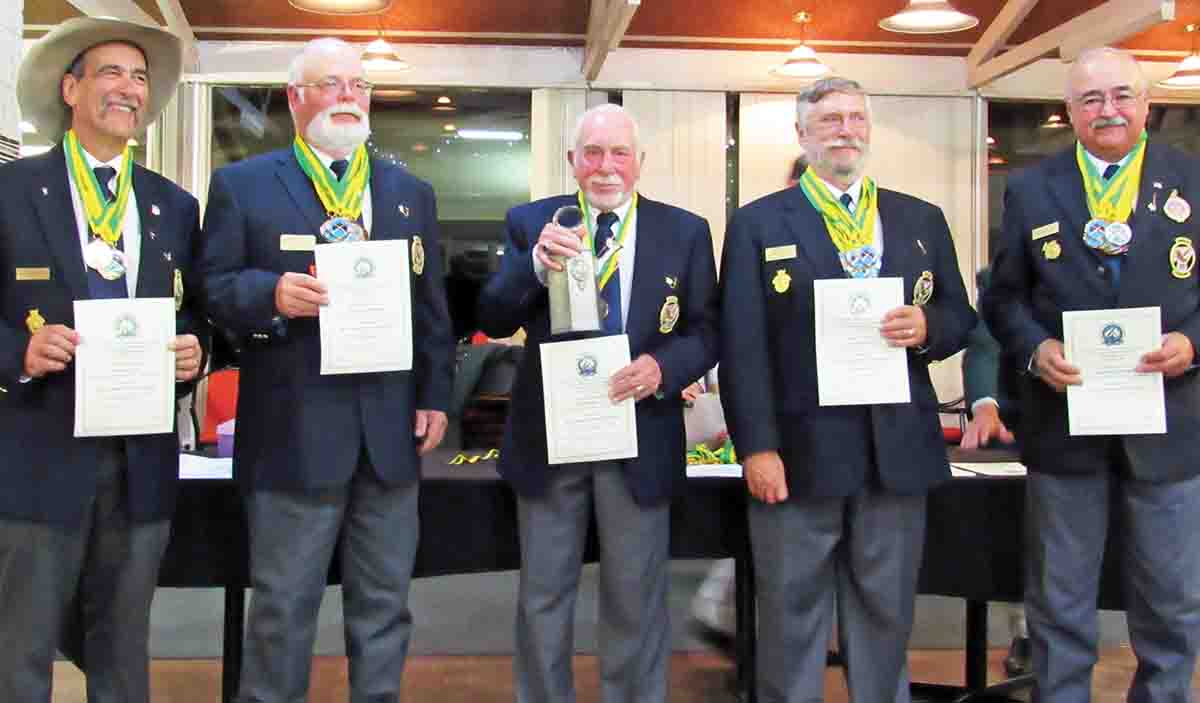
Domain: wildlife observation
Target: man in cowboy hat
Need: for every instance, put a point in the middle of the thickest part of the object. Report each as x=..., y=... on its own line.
x=84, y=521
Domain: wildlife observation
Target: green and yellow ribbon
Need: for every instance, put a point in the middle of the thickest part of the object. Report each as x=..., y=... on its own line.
x=849, y=231
x=1112, y=200
x=106, y=218
x=460, y=459
x=342, y=198
x=610, y=266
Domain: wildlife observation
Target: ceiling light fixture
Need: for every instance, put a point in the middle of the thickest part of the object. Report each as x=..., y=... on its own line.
x=342, y=7
x=1187, y=73
x=928, y=17
x=381, y=57
x=802, y=61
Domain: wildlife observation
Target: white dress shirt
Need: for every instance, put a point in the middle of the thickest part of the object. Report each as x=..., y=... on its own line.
x=131, y=230
x=366, y=203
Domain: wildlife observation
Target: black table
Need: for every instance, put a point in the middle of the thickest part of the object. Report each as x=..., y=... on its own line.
x=468, y=525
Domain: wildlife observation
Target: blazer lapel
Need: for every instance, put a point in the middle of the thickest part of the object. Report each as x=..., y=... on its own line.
x=1157, y=182
x=647, y=271
x=808, y=230
x=154, y=268
x=895, y=246
x=384, y=207
x=50, y=192
x=301, y=189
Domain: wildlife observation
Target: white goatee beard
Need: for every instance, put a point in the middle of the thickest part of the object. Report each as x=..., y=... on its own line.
x=328, y=136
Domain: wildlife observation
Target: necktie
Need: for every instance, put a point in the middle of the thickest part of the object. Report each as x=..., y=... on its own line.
x=848, y=202
x=98, y=286
x=1112, y=263
x=339, y=168
x=612, y=291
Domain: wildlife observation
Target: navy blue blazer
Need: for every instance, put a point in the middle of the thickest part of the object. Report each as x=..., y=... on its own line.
x=768, y=358
x=1030, y=291
x=296, y=429
x=671, y=243
x=47, y=474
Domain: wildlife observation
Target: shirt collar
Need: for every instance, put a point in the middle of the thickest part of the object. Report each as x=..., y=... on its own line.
x=620, y=212
x=93, y=162
x=855, y=190
x=1100, y=164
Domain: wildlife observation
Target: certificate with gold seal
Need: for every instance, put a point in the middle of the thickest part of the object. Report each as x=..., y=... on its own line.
x=1106, y=346
x=582, y=423
x=124, y=370
x=367, y=325
x=855, y=364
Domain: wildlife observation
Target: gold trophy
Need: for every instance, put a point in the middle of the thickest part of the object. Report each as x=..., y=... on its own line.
x=574, y=297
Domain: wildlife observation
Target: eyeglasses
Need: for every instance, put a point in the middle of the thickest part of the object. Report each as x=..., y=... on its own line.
x=334, y=86
x=833, y=121
x=1122, y=99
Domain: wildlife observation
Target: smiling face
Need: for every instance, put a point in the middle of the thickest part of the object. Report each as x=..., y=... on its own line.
x=107, y=95
x=606, y=161
x=1106, y=99
x=836, y=136
x=326, y=108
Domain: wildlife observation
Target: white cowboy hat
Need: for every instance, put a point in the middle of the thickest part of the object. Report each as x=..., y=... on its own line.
x=39, y=80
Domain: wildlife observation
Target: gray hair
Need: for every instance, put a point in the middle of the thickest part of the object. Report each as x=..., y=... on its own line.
x=1089, y=55
x=822, y=89
x=323, y=45
x=605, y=109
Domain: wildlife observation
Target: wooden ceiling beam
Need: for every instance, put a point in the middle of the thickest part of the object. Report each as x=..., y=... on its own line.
x=998, y=32
x=177, y=23
x=126, y=10
x=1107, y=24
x=607, y=23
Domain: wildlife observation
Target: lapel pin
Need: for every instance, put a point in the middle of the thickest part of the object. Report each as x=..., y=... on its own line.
x=671, y=281
x=922, y=247
x=1153, y=206
x=1158, y=184
x=45, y=190
x=167, y=255
x=403, y=210
x=153, y=234
x=155, y=211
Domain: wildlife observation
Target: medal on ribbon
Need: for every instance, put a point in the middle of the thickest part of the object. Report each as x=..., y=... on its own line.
x=607, y=260
x=668, y=315
x=1110, y=202
x=105, y=218
x=852, y=233
x=342, y=199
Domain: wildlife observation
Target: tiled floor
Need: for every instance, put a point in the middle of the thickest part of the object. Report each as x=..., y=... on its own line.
x=695, y=678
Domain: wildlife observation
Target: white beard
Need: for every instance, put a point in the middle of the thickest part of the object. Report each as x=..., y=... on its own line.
x=329, y=136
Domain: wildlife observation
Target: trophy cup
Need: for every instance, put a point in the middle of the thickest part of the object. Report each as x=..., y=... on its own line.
x=574, y=298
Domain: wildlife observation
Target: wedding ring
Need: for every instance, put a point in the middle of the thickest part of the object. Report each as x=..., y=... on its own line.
x=639, y=389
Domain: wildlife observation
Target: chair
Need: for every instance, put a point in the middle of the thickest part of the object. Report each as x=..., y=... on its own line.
x=220, y=403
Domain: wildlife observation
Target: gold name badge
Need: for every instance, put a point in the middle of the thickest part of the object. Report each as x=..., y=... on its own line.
x=33, y=274
x=1045, y=231
x=780, y=253
x=297, y=242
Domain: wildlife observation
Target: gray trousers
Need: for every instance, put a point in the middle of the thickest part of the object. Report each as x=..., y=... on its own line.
x=87, y=588
x=862, y=553
x=634, y=633
x=1068, y=519
x=292, y=538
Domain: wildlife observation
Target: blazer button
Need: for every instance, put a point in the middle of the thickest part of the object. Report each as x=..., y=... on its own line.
x=1101, y=270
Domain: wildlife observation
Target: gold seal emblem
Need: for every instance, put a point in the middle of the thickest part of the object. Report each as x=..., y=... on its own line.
x=1051, y=250
x=781, y=282
x=178, y=289
x=668, y=315
x=34, y=321
x=1183, y=257
x=923, y=288
x=418, y=256
x=671, y=281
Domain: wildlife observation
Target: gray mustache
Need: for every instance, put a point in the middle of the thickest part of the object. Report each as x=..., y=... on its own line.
x=1109, y=122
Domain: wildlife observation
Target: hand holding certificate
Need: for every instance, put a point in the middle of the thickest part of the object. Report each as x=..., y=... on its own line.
x=582, y=423
x=855, y=364
x=124, y=368
x=367, y=325
x=1114, y=398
